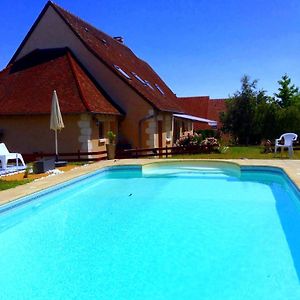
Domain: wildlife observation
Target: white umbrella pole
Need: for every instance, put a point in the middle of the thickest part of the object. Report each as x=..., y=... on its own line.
x=56, y=148
x=56, y=122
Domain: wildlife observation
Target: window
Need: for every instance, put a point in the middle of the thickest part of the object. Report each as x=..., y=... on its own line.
x=160, y=90
x=100, y=130
x=138, y=78
x=149, y=85
x=122, y=72
x=104, y=42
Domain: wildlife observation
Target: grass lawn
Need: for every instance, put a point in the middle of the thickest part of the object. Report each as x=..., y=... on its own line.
x=14, y=180
x=5, y=184
x=254, y=152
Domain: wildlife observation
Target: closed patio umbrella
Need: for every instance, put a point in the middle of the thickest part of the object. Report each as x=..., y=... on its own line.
x=56, y=121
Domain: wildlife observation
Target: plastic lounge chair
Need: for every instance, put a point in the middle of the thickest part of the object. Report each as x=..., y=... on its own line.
x=286, y=141
x=5, y=155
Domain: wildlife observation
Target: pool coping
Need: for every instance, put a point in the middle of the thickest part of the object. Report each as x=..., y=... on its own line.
x=290, y=167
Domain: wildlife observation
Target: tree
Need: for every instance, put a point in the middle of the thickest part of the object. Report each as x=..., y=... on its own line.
x=287, y=94
x=239, y=119
x=289, y=119
x=266, y=120
x=288, y=99
x=252, y=115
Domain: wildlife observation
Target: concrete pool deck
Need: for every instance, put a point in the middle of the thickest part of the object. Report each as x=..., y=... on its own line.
x=291, y=167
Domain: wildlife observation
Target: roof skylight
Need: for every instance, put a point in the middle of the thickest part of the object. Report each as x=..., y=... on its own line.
x=148, y=84
x=160, y=90
x=122, y=72
x=138, y=78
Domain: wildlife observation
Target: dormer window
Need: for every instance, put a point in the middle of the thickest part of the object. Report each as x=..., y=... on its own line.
x=149, y=84
x=138, y=78
x=122, y=72
x=160, y=90
x=86, y=29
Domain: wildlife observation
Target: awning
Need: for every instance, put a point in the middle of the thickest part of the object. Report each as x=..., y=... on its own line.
x=197, y=119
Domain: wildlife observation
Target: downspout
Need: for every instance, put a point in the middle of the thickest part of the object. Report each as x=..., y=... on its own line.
x=172, y=130
x=141, y=121
x=156, y=129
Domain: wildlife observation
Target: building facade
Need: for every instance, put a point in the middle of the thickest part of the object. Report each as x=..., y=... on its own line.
x=101, y=85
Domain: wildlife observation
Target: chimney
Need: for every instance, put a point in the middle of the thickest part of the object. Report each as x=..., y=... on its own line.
x=119, y=39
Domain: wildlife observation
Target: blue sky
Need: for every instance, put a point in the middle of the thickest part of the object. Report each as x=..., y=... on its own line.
x=197, y=47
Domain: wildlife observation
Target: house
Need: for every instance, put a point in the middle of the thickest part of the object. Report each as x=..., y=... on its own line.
x=101, y=85
x=27, y=86
x=206, y=109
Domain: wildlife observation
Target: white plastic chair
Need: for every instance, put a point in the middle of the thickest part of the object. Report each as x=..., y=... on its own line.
x=5, y=155
x=288, y=139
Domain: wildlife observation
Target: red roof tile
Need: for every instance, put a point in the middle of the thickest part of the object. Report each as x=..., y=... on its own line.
x=196, y=106
x=203, y=107
x=114, y=53
x=216, y=106
x=26, y=87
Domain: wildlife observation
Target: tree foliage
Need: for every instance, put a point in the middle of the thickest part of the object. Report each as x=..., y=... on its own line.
x=252, y=115
x=239, y=119
x=287, y=94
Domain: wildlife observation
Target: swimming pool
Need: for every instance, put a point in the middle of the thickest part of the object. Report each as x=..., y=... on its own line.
x=161, y=231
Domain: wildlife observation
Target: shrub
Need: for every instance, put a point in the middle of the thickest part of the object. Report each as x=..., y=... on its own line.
x=209, y=144
x=206, y=133
x=111, y=137
x=189, y=139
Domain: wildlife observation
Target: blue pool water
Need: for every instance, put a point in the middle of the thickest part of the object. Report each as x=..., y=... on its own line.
x=170, y=232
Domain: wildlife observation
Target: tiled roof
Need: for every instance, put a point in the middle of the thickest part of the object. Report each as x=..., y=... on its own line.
x=196, y=106
x=203, y=107
x=115, y=54
x=216, y=106
x=26, y=86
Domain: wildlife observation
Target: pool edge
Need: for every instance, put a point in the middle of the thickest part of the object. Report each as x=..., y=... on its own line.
x=290, y=167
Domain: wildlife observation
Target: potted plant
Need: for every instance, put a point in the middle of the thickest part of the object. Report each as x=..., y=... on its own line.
x=111, y=146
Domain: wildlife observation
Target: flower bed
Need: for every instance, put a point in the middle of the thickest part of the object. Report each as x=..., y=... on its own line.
x=190, y=139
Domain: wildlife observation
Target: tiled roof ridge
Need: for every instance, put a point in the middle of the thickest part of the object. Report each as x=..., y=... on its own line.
x=193, y=97
x=89, y=24
x=55, y=5
x=201, y=97
x=75, y=62
x=70, y=60
x=6, y=68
